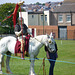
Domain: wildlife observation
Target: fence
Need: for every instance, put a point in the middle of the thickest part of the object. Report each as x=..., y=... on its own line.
x=70, y=33
x=47, y=31
x=4, y=35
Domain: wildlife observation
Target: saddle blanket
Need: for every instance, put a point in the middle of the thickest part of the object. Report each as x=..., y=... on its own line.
x=18, y=45
x=17, y=48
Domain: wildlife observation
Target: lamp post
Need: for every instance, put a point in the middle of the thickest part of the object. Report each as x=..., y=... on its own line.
x=0, y=18
x=43, y=22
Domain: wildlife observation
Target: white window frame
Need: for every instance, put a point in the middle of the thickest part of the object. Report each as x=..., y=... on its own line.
x=60, y=17
x=68, y=16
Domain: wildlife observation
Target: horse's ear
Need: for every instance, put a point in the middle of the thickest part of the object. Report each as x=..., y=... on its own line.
x=46, y=34
x=51, y=34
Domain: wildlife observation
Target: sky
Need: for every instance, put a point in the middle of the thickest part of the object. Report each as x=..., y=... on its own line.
x=28, y=1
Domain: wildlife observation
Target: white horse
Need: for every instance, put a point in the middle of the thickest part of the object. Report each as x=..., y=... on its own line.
x=7, y=45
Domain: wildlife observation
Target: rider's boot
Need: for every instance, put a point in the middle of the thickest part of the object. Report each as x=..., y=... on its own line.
x=26, y=53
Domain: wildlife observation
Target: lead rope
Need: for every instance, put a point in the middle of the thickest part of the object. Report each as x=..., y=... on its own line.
x=44, y=70
x=43, y=63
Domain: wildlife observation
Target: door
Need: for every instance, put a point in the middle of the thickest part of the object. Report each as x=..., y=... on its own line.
x=63, y=32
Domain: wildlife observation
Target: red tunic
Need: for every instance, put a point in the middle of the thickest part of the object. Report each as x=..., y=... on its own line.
x=27, y=42
x=17, y=47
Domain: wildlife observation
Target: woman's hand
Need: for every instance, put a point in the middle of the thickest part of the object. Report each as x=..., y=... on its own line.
x=48, y=57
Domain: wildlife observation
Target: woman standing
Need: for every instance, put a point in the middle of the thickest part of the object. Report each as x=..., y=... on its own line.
x=52, y=58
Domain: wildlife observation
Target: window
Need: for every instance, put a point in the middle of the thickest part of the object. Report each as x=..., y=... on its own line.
x=46, y=18
x=60, y=18
x=68, y=18
x=42, y=18
x=32, y=16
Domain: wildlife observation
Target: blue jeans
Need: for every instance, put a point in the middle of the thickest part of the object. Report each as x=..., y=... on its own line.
x=53, y=56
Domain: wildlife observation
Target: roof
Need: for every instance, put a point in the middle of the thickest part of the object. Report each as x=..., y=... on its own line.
x=66, y=7
x=40, y=12
x=69, y=0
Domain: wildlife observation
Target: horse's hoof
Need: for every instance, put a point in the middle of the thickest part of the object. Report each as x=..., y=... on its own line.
x=23, y=58
x=1, y=73
x=8, y=72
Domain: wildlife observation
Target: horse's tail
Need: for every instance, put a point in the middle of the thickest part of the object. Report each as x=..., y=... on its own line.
x=3, y=62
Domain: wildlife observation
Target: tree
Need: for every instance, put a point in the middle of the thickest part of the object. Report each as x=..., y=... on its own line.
x=37, y=3
x=6, y=10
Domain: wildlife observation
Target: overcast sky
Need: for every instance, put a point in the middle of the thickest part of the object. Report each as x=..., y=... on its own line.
x=27, y=1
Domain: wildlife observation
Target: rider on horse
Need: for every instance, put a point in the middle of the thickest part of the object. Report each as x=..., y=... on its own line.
x=18, y=32
x=21, y=31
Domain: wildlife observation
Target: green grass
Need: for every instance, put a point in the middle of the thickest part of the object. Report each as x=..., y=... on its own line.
x=66, y=52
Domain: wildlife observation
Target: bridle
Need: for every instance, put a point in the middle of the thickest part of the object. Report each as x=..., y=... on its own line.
x=40, y=41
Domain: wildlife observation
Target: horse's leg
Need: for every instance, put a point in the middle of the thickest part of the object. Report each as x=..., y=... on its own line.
x=7, y=63
x=32, y=67
x=1, y=56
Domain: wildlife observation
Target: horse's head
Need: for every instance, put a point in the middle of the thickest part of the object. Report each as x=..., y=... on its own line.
x=50, y=43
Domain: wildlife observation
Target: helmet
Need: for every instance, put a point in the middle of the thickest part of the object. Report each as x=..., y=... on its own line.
x=20, y=19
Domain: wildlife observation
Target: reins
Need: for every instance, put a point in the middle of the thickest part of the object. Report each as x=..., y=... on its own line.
x=22, y=30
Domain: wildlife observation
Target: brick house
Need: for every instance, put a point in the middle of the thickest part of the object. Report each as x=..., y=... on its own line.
x=61, y=21
x=36, y=18
x=64, y=17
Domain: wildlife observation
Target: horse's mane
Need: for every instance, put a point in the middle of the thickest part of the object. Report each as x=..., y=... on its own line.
x=40, y=36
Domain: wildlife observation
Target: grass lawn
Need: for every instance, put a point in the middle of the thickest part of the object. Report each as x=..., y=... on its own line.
x=66, y=52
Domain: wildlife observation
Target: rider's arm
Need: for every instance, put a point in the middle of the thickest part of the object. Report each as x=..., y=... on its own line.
x=47, y=52
x=17, y=30
x=18, y=33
